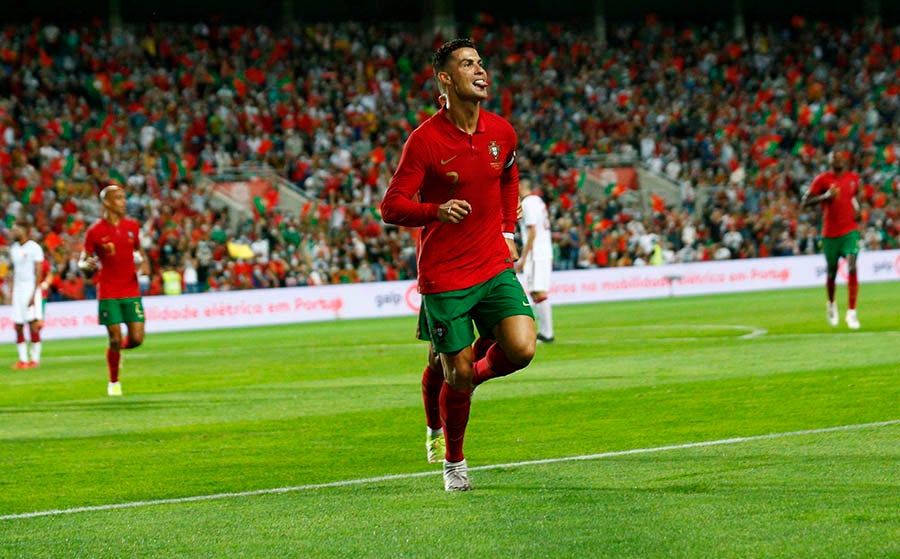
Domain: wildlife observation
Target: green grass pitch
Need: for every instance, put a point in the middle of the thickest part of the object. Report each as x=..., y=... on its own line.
x=331, y=412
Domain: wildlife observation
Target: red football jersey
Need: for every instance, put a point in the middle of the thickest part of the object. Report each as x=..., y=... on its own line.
x=838, y=214
x=440, y=162
x=115, y=246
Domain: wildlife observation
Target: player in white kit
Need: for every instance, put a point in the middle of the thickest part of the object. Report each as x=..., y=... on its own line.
x=26, y=257
x=536, y=259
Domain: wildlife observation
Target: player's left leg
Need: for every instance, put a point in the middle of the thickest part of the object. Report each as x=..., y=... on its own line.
x=539, y=288
x=831, y=248
x=852, y=291
x=506, y=307
x=512, y=352
x=34, y=328
x=19, y=318
x=544, y=314
x=35, y=322
x=135, y=336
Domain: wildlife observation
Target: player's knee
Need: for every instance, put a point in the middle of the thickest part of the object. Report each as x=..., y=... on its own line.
x=135, y=341
x=522, y=354
x=460, y=378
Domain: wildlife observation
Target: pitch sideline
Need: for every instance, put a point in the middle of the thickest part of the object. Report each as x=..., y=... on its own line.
x=362, y=481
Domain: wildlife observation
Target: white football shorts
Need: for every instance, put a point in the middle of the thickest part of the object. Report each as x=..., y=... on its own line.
x=537, y=274
x=21, y=312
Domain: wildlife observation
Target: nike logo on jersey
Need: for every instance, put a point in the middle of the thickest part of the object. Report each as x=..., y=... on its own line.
x=526, y=304
x=445, y=161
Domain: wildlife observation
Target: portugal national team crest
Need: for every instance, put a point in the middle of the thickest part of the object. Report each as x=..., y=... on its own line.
x=494, y=150
x=439, y=332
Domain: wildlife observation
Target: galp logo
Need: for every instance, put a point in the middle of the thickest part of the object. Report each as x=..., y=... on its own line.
x=413, y=298
x=387, y=299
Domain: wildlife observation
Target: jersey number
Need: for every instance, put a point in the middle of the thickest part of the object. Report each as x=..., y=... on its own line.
x=455, y=176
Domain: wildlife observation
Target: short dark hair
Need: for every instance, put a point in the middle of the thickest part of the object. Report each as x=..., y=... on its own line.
x=442, y=54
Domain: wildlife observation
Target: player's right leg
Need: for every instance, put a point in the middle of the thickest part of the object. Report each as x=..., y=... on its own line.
x=113, y=359
x=852, y=287
x=456, y=401
x=432, y=382
x=451, y=331
x=831, y=248
x=111, y=317
x=21, y=347
x=19, y=310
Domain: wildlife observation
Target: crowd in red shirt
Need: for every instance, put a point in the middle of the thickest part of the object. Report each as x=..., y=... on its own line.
x=739, y=125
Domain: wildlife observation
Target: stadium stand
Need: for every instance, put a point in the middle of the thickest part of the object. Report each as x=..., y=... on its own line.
x=307, y=122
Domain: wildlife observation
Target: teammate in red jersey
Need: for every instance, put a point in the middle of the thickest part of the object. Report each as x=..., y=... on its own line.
x=836, y=191
x=457, y=178
x=112, y=243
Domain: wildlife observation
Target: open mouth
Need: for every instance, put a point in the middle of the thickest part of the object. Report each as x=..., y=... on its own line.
x=480, y=85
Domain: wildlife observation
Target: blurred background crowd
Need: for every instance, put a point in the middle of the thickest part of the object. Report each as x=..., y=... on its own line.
x=739, y=127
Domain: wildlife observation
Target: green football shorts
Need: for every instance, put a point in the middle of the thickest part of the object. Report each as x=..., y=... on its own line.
x=448, y=319
x=117, y=311
x=835, y=247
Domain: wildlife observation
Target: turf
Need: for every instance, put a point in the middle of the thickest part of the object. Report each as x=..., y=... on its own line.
x=207, y=413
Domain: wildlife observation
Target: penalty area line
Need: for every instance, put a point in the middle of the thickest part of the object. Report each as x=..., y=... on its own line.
x=393, y=477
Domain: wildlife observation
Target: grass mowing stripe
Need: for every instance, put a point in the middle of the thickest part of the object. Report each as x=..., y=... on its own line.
x=392, y=477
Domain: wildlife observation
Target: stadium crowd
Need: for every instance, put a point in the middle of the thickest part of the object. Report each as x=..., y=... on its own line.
x=739, y=126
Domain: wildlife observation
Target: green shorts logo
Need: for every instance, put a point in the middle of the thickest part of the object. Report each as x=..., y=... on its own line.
x=440, y=331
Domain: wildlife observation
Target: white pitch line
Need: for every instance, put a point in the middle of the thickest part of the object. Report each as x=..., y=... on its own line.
x=392, y=477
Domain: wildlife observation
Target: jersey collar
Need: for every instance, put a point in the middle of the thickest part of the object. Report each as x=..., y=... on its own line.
x=445, y=118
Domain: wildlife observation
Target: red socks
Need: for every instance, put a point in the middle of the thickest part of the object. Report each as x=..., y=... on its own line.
x=852, y=289
x=481, y=347
x=454, y=406
x=455, y=416
x=112, y=361
x=495, y=364
x=432, y=381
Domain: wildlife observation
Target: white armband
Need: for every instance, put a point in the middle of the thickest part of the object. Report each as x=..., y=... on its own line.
x=509, y=235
